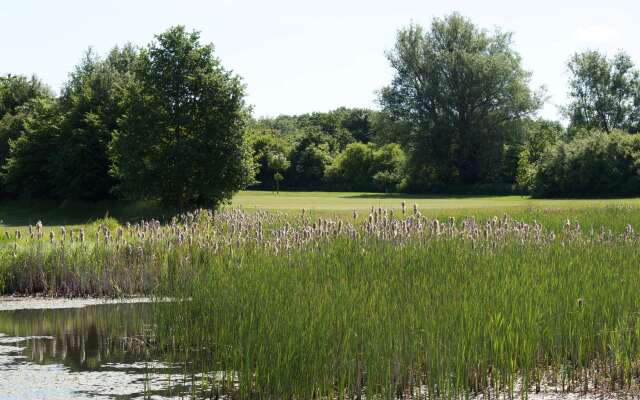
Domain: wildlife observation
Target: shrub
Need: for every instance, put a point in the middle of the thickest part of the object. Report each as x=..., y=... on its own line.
x=593, y=164
x=366, y=167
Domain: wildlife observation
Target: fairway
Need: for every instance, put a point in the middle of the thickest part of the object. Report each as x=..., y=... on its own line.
x=344, y=201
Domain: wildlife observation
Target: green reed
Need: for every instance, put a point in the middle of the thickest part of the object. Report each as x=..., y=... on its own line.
x=438, y=315
x=386, y=303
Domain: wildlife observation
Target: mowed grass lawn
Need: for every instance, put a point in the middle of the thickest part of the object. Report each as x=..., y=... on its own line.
x=347, y=201
x=17, y=213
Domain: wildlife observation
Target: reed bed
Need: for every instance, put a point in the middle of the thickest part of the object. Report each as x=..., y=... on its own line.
x=381, y=304
x=399, y=305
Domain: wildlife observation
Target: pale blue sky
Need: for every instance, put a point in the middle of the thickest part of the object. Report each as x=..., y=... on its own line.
x=302, y=56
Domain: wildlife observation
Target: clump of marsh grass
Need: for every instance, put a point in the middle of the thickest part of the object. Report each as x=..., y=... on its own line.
x=380, y=305
x=136, y=258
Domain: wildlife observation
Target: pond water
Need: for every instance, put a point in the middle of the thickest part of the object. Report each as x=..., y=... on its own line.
x=97, y=351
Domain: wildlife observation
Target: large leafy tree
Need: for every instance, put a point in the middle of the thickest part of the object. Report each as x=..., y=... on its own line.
x=17, y=90
x=17, y=93
x=605, y=93
x=91, y=106
x=181, y=137
x=460, y=91
x=75, y=130
x=27, y=170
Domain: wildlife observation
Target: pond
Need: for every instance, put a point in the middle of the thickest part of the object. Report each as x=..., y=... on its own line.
x=96, y=351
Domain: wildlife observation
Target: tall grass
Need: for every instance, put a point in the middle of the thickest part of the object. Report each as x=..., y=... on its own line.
x=413, y=307
x=385, y=304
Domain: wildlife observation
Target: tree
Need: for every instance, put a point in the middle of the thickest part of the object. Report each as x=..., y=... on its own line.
x=17, y=90
x=310, y=158
x=91, y=105
x=388, y=167
x=539, y=135
x=367, y=167
x=27, y=171
x=264, y=143
x=16, y=95
x=351, y=169
x=461, y=92
x=181, y=138
x=605, y=93
x=359, y=122
x=278, y=162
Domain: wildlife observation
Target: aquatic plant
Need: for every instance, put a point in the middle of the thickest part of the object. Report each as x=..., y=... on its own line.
x=389, y=304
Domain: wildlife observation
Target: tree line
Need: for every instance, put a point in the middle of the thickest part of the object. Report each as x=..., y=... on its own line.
x=163, y=122
x=168, y=122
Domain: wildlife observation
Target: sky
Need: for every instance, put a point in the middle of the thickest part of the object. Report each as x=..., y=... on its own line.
x=298, y=56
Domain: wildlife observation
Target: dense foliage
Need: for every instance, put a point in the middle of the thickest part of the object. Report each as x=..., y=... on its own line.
x=366, y=167
x=17, y=94
x=312, y=145
x=605, y=93
x=164, y=122
x=180, y=138
x=462, y=93
x=90, y=108
x=168, y=122
x=594, y=163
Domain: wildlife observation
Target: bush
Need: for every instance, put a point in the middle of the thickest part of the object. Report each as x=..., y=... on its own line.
x=264, y=147
x=366, y=167
x=593, y=164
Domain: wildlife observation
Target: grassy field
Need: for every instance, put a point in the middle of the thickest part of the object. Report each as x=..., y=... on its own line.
x=25, y=213
x=347, y=201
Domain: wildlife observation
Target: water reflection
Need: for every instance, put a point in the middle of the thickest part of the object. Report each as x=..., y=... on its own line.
x=97, y=351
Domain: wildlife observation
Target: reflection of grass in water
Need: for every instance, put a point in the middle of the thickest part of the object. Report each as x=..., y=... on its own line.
x=114, y=341
x=83, y=338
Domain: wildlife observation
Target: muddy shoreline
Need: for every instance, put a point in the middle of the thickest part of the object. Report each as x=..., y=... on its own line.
x=10, y=303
